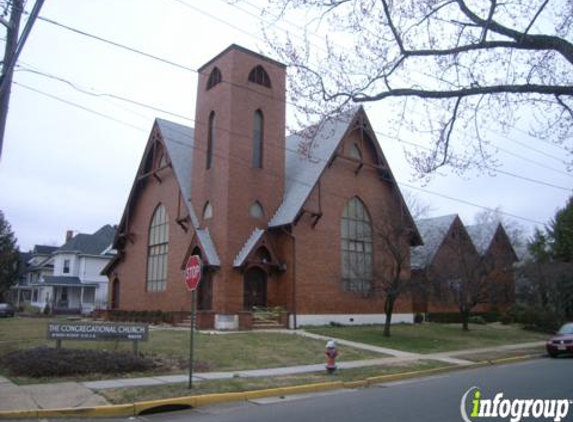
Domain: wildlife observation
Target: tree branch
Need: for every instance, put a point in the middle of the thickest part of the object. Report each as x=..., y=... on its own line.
x=466, y=92
x=393, y=28
x=489, y=20
x=537, y=42
x=534, y=19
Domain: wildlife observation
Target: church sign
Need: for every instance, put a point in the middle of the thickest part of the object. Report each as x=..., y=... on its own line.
x=91, y=331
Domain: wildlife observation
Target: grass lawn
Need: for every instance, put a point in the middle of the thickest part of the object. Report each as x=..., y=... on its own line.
x=431, y=337
x=170, y=348
x=130, y=395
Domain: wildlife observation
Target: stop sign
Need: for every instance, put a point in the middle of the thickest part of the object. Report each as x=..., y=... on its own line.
x=193, y=272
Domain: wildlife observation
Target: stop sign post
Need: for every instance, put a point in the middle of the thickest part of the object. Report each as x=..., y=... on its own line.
x=193, y=272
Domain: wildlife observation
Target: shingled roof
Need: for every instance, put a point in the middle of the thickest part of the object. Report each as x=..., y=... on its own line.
x=90, y=244
x=433, y=232
x=482, y=235
x=179, y=144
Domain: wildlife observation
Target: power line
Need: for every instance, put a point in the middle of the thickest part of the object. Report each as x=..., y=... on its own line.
x=157, y=109
x=70, y=103
x=177, y=65
x=242, y=161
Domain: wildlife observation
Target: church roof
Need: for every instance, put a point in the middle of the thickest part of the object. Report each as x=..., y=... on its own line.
x=247, y=247
x=208, y=247
x=482, y=235
x=179, y=142
x=433, y=231
x=302, y=171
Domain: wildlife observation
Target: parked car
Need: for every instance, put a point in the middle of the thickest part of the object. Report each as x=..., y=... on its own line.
x=562, y=342
x=6, y=310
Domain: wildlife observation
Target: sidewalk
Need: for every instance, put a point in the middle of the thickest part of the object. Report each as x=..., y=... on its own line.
x=84, y=394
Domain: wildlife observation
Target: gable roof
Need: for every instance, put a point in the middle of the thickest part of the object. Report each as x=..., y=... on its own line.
x=179, y=145
x=433, y=231
x=90, y=244
x=302, y=171
x=482, y=235
x=179, y=142
x=247, y=247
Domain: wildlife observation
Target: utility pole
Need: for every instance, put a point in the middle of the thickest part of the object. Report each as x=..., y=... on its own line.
x=12, y=31
x=14, y=46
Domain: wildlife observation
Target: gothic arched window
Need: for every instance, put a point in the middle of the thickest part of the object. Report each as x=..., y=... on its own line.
x=158, y=248
x=356, y=247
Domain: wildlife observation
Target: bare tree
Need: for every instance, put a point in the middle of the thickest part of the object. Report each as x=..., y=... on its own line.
x=466, y=282
x=388, y=276
x=451, y=70
x=394, y=280
x=455, y=277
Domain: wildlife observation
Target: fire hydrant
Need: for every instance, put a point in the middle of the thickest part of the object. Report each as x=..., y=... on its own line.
x=331, y=354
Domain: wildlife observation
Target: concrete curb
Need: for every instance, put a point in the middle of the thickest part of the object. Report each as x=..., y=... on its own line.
x=134, y=409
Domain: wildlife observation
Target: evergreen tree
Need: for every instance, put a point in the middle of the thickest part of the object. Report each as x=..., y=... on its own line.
x=9, y=257
x=561, y=233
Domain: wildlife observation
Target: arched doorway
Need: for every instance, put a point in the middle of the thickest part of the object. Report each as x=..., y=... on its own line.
x=255, y=288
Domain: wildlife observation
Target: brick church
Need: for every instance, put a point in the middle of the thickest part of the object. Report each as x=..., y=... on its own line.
x=276, y=225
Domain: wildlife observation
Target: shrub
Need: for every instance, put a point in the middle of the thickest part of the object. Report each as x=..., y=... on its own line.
x=48, y=362
x=536, y=318
x=456, y=317
x=418, y=318
x=506, y=319
x=477, y=319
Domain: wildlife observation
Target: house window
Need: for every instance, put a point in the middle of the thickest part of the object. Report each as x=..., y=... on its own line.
x=210, y=139
x=207, y=211
x=260, y=76
x=66, y=269
x=214, y=78
x=256, y=210
x=356, y=247
x=158, y=247
x=258, y=139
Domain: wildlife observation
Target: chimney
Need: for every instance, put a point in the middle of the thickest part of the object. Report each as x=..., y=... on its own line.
x=69, y=235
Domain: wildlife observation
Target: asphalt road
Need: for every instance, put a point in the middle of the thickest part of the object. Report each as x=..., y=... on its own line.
x=429, y=399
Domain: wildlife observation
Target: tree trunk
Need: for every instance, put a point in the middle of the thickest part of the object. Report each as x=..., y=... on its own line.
x=465, y=320
x=388, y=310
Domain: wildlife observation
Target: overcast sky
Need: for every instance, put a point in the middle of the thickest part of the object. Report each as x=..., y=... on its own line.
x=70, y=158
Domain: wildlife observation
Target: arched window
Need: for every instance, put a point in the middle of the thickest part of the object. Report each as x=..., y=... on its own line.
x=263, y=255
x=355, y=153
x=158, y=247
x=356, y=247
x=210, y=139
x=256, y=210
x=260, y=76
x=207, y=211
x=214, y=78
x=162, y=161
x=258, y=122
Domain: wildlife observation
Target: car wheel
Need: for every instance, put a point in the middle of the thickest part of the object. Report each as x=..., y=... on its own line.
x=553, y=354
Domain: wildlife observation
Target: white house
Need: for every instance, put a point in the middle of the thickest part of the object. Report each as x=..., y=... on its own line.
x=76, y=286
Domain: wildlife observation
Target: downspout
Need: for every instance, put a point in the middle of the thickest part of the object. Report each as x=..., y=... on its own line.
x=294, y=310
